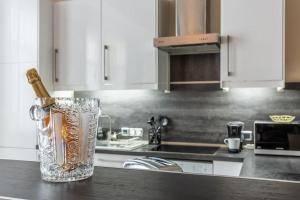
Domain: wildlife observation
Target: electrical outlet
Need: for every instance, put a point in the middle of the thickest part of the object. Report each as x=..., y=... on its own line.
x=139, y=132
x=125, y=131
x=132, y=132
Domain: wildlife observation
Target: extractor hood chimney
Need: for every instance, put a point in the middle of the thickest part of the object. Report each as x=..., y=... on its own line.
x=190, y=28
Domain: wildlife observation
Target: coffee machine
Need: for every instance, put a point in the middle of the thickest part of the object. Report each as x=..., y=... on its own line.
x=235, y=130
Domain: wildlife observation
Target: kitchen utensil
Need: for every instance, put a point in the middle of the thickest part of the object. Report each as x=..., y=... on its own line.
x=164, y=121
x=154, y=133
x=151, y=121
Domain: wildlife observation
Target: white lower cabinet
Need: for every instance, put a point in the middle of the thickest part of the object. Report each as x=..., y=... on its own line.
x=195, y=167
x=224, y=168
x=18, y=154
x=112, y=160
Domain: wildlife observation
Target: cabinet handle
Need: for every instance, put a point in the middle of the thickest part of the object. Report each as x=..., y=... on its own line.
x=106, y=48
x=55, y=65
x=227, y=38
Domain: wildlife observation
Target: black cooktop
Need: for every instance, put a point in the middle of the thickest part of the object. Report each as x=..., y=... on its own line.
x=186, y=149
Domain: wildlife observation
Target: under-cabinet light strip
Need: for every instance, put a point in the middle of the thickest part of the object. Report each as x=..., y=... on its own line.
x=193, y=82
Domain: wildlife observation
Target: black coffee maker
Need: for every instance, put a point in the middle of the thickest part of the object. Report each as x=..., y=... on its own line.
x=235, y=131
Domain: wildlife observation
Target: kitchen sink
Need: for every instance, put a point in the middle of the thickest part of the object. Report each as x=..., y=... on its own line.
x=186, y=149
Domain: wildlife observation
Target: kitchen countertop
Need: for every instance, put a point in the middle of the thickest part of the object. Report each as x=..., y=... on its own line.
x=254, y=166
x=145, y=150
x=20, y=179
x=271, y=167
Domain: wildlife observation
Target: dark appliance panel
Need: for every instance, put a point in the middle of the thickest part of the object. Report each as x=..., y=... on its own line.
x=277, y=138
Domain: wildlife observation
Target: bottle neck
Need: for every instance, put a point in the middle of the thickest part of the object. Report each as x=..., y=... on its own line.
x=39, y=88
x=41, y=92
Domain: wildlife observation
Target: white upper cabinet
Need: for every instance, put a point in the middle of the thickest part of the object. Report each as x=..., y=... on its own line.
x=77, y=45
x=253, y=53
x=104, y=44
x=128, y=29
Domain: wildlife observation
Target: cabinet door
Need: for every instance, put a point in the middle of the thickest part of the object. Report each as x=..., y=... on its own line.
x=195, y=167
x=18, y=154
x=17, y=130
x=227, y=168
x=129, y=56
x=111, y=160
x=253, y=54
x=18, y=52
x=77, y=43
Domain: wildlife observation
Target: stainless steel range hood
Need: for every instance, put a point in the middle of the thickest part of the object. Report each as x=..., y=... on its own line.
x=190, y=29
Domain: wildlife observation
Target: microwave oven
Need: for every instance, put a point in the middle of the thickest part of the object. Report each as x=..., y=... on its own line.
x=271, y=138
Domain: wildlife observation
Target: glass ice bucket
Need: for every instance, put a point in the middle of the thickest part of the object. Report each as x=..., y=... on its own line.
x=66, y=129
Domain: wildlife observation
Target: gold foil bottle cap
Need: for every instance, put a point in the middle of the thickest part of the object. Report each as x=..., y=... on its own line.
x=35, y=80
x=32, y=76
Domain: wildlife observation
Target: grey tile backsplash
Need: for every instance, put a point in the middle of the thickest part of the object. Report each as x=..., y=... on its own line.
x=197, y=116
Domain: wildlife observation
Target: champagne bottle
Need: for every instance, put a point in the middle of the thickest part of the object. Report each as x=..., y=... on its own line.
x=35, y=80
x=67, y=156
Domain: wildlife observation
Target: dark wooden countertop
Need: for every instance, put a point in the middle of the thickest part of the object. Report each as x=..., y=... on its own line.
x=20, y=179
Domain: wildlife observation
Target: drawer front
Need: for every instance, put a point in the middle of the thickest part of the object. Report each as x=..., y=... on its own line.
x=227, y=168
x=111, y=160
x=195, y=167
